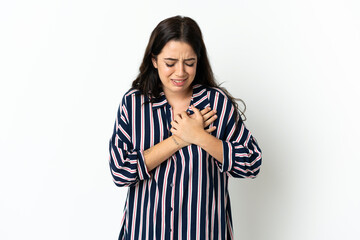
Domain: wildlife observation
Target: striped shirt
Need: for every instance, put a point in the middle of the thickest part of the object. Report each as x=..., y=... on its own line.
x=185, y=197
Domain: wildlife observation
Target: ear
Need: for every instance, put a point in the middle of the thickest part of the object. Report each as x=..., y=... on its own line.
x=154, y=61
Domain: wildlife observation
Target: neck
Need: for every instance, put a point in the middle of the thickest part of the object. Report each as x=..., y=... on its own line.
x=179, y=99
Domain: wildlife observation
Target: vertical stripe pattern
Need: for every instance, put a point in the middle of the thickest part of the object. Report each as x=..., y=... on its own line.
x=186, y=197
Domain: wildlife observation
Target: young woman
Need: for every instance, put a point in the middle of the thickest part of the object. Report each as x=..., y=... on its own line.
x=177, y=139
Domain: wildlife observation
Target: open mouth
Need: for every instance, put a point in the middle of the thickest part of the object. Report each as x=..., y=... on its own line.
x=178, y=82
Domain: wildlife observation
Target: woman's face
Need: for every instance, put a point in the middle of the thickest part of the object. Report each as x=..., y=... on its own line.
x=176, y=66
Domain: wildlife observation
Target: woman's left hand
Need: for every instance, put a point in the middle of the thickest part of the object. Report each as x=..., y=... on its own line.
x=189, y=127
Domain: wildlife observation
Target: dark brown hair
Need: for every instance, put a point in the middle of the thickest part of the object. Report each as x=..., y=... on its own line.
x=183, y=29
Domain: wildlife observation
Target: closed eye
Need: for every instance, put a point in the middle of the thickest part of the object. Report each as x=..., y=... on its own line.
x=187, y=64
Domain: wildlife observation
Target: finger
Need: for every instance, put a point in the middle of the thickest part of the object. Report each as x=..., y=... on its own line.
x=209, y=114
x=210, y=121
x=205, y=110
x=211, y=129
x=174, y=124
x=177, y=118
x=196, y=111
x=184, y=115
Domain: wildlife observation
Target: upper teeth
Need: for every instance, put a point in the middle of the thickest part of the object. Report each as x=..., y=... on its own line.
x=178, y=81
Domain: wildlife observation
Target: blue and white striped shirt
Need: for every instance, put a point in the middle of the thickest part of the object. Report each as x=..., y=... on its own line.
x=186, y=197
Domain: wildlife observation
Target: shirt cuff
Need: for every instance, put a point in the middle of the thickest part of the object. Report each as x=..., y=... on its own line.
x=228, y=156
x=141, y=166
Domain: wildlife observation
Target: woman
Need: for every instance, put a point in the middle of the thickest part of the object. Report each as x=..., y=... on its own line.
x=171, y=149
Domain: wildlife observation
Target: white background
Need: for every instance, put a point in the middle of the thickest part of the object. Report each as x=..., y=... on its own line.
x=64, y=66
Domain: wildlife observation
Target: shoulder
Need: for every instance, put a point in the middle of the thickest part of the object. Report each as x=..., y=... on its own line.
x=218, y=95
x=218, y=91
x=132, y=95
x=201, y=89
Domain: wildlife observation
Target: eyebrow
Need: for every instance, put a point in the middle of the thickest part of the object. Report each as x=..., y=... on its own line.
x=174, y=59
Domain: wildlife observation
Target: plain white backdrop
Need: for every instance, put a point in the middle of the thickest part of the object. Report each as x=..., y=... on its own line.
x=64, y=66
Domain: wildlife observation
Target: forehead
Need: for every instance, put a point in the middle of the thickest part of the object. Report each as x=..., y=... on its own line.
x=177, y=49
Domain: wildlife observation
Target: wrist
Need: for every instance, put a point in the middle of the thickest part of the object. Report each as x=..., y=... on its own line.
x=201, y=138
x=179, y=142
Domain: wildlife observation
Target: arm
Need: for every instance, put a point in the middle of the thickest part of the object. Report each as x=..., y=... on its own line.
x=158, y=153
x=241, y=154
x=191, y=129
x=238, y=154
x=129, y=165
x=210, y=144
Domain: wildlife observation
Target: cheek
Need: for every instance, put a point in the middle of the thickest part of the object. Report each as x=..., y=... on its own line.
x=192, y=71
x=165, y=71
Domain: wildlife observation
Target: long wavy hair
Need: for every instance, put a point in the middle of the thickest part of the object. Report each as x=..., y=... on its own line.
x=183, y=29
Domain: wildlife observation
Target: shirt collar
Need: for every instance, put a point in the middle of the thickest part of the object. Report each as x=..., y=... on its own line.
x=199, y=98
x=160, y=101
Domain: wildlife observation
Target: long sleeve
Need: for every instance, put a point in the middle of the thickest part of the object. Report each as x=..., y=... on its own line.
x=241, y=153
x=127, y=164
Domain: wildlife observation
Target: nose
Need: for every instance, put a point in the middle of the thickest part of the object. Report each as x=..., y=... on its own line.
x=180, y=70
